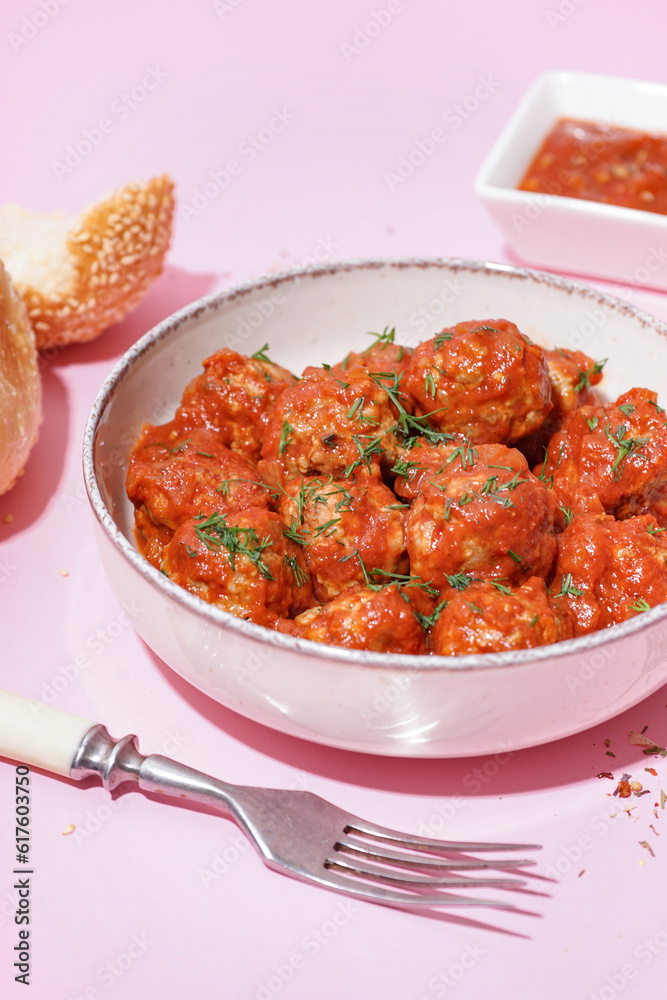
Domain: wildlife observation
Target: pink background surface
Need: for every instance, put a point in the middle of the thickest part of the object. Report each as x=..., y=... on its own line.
x=146, y=900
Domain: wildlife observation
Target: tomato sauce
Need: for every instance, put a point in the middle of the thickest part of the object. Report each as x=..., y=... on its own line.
x=605, y=163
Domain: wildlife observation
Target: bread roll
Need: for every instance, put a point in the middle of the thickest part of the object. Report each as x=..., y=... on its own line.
x=78, y=275
x=20, y=386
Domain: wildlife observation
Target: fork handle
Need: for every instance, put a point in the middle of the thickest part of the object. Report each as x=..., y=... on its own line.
x=33, y=733
x=65, y=744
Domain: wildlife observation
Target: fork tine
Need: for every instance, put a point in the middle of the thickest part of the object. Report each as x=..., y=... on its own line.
x=362, y=849
x=390, y=897
x=416, y=881
x=359, y=826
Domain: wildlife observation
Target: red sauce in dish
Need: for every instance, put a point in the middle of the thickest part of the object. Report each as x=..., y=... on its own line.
x=597, y=162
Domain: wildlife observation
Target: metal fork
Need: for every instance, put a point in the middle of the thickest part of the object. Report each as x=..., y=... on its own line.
x=296, y=832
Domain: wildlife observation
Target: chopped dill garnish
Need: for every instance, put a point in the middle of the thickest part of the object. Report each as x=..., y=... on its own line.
x=381, y=339
x=260, y=355
x=627, y=447
x=640, y=605
x=214, y=532
x=585, y=376
x=327, y=369
x=459, y=581
x=366, y=452
x=567, y=588
x=286, y=437
x=567, y=513
x=300, y=576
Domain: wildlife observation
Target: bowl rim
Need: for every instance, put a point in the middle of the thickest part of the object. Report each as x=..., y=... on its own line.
x=488, y=189
x=215, y=616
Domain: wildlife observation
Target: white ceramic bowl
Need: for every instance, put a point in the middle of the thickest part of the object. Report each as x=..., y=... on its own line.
x=571, y=234
x=400, y=705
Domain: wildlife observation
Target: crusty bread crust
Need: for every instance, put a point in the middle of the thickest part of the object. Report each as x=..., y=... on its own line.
x=20, y=385
x=114, y=250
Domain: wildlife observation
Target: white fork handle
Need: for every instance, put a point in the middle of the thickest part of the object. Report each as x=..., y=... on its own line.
x=32, y=733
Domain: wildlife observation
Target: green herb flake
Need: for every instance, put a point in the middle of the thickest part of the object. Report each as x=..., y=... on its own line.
x=327, y=368
x=286, y=437
x=567, y=587
x=260, y=355
x=300, y=577
x=381, y=339
x=567, y=513
x=215, y=533
x=585, y=376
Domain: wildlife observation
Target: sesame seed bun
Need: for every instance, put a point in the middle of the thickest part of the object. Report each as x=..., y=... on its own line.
x=20, y=386
x=78, y=275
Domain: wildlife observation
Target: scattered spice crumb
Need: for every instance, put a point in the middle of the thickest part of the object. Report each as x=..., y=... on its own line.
x=8, y=518
x=610, y=753
x=651, y=827
x=63, y=572
x=645, y=843
x=607, y=743
x=623, y=789
x=663, y=799
x=581, y=873
x=69, y=829
x=651, y=748
x=606, y=774
x=652, y=770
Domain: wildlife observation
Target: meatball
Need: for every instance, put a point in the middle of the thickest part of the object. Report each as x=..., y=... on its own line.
x=488, y=617
x=482, y=379
x=383, y=619
x=616, y=452
x=331, y=422
x=485, y=515
x=241, y=562
x=610, y=570
x=347, y=530
x=234, y=397
x=572, y=375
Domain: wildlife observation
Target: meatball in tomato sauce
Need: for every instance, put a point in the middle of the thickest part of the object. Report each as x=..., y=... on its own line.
x=242, y=563
x=482, y=379
x=346, y=529
x=615, y=452
x=332, y=422
x=486, y=515
x=609, y=570
x=234, y=397
x=384, y=620
x=489, y=617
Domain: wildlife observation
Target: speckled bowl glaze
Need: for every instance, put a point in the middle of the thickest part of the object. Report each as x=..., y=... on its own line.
x=397, y=705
